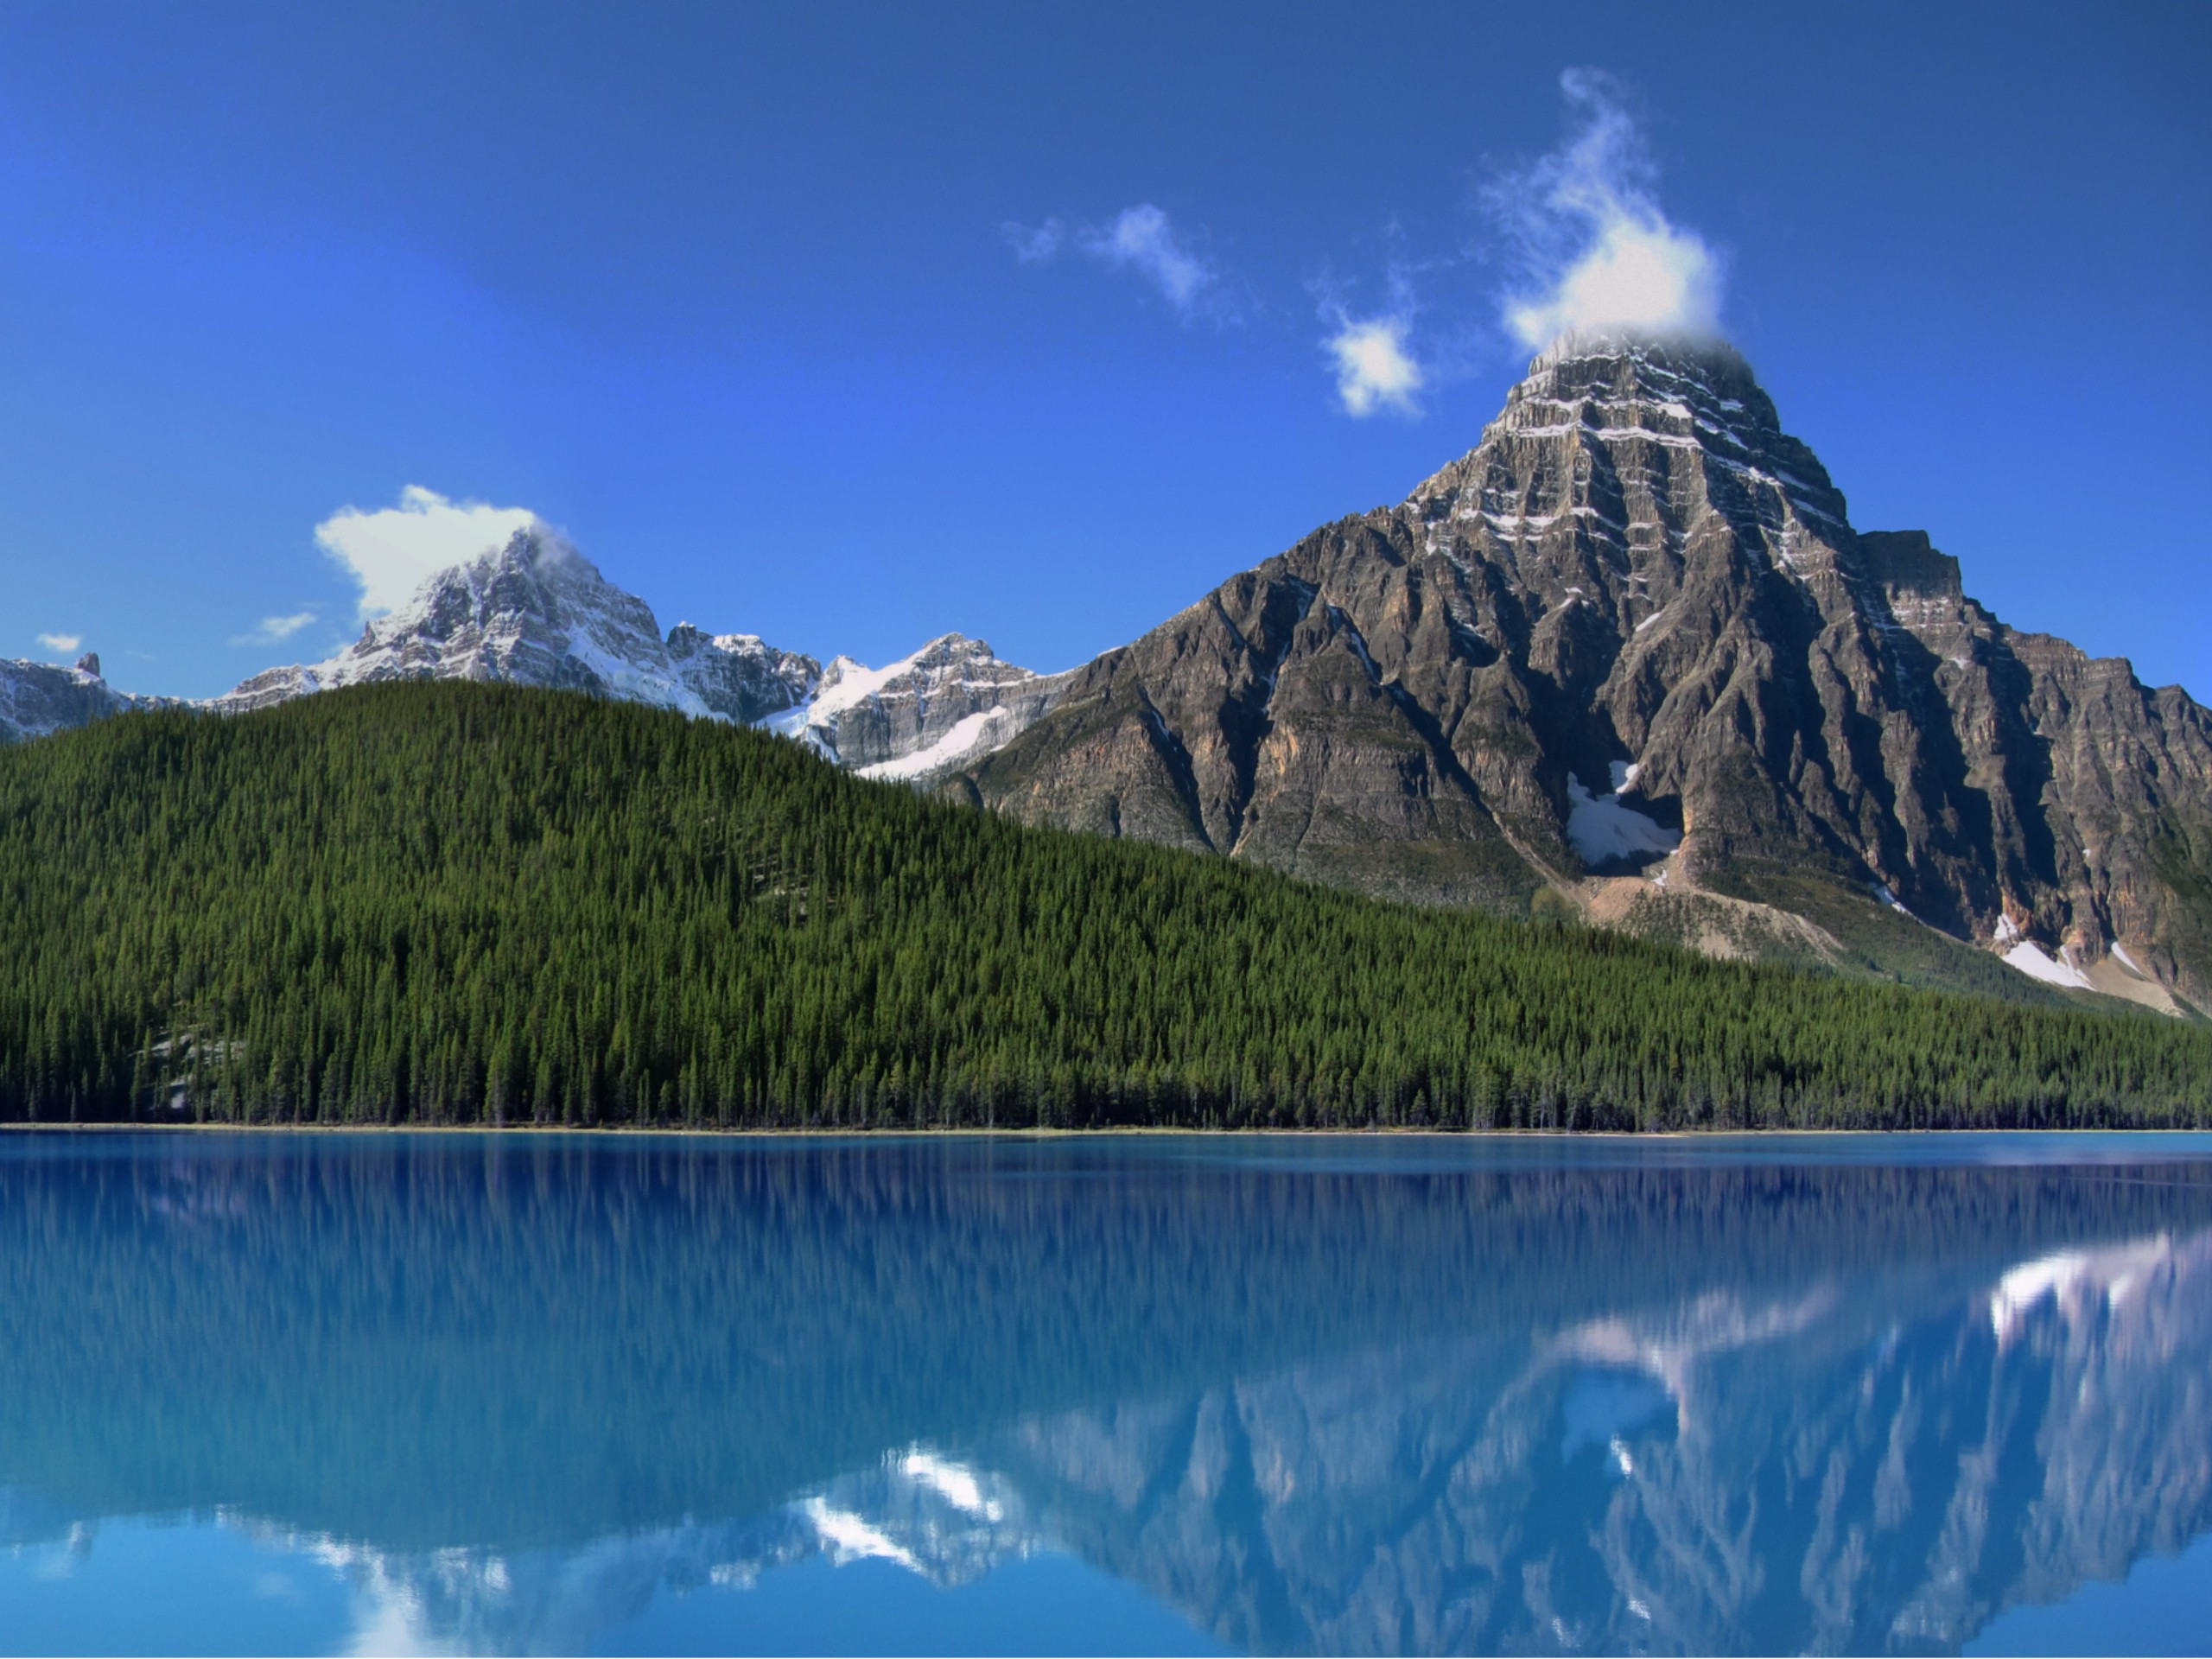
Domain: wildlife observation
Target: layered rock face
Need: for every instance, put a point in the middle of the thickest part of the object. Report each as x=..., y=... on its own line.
x=1633, y=629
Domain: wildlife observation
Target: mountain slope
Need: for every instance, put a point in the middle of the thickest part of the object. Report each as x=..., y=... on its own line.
x=1634, y=632
x=951, y=700
x=477, y=903
x=40, y=698
x=536, y=612
x=1626, y=658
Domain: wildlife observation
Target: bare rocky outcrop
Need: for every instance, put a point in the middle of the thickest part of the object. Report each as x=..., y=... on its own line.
x=948, y=702
x=38, y=698
x=738, y=676
x=1637, y=575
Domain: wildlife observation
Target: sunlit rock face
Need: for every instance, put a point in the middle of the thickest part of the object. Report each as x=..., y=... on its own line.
x=920, y=717
x=1639, y=571
x=737, y=677
x=536, y=612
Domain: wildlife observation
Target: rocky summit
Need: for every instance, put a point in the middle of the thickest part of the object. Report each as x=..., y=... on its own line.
x=537, y=611
x=1630, y=653
x=36, y=698
x=1626, y=660
x=950, y=702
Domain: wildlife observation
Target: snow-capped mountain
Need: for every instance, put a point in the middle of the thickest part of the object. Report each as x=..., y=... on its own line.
x=951, y=701
x=36, y=698
x=1628, y=652
x=536, y=612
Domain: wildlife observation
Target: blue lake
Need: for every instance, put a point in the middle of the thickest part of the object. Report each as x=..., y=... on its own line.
x=323, y=1393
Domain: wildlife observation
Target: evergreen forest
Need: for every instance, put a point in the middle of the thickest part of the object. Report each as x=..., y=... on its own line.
x=464, y=904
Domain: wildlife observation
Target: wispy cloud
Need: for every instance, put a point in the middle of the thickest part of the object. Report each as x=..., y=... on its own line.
x=390, y=551
x=273, y=630
x=1140, y=239
x=1597, y=253
x=64, y=643
x=1375, y=372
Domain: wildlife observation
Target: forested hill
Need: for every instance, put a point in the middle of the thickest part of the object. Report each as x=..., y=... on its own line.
x=462, y=903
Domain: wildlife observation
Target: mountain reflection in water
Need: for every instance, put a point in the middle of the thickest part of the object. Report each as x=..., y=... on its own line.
x=1398, y=1394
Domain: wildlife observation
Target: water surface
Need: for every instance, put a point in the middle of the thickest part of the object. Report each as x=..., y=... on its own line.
x=1170, y=1393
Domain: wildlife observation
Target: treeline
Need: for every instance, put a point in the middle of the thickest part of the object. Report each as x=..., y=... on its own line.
x=466, y=904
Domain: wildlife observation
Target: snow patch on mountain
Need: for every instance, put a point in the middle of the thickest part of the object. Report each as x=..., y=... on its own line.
x=971, y=735
x=1603, y=828
x=2030, y=959
x=952, y=701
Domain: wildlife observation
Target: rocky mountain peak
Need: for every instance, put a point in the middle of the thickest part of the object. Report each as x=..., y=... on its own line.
x=1906, y=563
x=534, y=610
x=1626, y=421
x=537, y=611
x=740, y=677
x=949, y=700
x=1638, y=577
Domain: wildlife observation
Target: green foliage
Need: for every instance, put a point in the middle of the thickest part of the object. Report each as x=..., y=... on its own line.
x=453, y=903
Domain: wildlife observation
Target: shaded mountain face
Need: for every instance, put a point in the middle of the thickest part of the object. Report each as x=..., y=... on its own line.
x=36, y=698
x=1633, y=633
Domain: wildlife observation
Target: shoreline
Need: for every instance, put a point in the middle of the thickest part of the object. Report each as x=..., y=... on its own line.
x=1117, y=1131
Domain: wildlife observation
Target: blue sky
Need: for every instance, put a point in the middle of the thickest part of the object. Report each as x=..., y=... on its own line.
x=847, y=326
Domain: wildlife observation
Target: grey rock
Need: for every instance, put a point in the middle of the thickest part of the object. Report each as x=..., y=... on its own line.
x=739, y=677
x=1637, y=573
x=38, y=698
x=949, y=700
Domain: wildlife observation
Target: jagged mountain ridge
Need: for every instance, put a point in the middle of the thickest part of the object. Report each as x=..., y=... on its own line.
x=537, y=611
x=1638, y=574
x=1629, y=649
x=39, y=698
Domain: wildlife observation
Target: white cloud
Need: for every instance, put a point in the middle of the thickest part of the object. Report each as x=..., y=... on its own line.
x=1035, y=247
x=1374, y=370
x=1601, y=255
x=1138, y=239
x=390, y=551
x=274, y=629
x=64, y=643
x=1142, y=239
